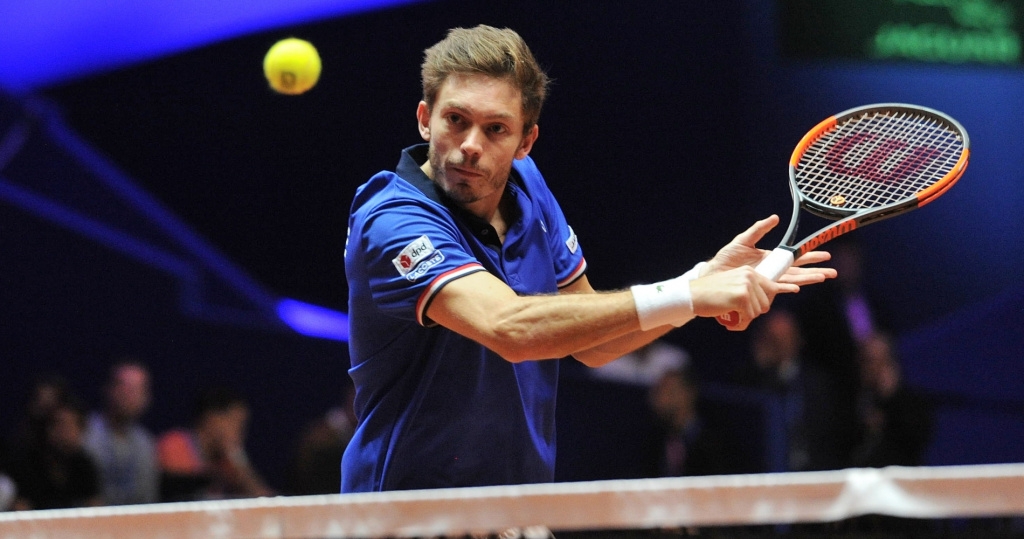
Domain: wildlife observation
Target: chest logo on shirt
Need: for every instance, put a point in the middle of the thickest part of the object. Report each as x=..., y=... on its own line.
x=417, y=258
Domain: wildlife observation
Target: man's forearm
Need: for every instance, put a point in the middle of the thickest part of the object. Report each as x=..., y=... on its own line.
x=603, y=354
x=545, y=327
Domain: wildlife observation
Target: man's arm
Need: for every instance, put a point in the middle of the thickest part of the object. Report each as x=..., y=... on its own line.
x=520, y=328
x=481, y=307
x=709, y=295
x=740, y=251
x=604, y=353
x=595, y=326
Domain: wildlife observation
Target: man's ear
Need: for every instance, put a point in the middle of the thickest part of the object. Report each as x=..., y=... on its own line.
x=527, y=143
x=423, y=120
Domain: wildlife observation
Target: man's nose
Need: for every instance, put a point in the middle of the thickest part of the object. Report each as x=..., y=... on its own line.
x=473, y=144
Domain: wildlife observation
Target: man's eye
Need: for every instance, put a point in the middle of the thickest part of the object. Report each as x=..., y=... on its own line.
x=497, y=129
x=454, y=118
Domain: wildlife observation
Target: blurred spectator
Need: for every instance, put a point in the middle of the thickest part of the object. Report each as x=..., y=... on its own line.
x=317, y=466
x=8, y=492
x=209, y=460
x=835, y=318
x=687, y=446
x=804, y=388
x=124, y=451
x=857, y=307
x=7, y=488
x=777, y=352
x=58, y=473
x=644, y=366
x=895, y=422
x=47, y=392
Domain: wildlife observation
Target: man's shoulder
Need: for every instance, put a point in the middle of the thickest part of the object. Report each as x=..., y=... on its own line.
x=384, y=184
x=528, y=171
x=387, y=188
x=532, y=181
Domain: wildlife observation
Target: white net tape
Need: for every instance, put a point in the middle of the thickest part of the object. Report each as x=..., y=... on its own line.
x=926, y=492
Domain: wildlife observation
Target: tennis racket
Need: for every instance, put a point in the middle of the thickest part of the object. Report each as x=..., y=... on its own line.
x=862, y=166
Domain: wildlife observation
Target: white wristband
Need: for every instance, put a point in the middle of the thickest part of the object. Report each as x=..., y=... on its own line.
x=667, y=302
x=664, y=303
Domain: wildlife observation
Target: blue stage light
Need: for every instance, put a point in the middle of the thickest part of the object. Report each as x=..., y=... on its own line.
x=313, y=320
x=45, y=42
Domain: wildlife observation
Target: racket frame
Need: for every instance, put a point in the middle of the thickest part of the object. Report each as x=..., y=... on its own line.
x=846, y=220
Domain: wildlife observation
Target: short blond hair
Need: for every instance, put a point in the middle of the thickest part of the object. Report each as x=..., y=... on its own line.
x=486, y=50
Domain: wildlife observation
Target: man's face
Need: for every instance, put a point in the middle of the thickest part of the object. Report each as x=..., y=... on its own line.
x=673, y=400
x=129, y=394
x=778, y=340
x=227, y=428
x=475, y=131
x=878, y=365
x=65, y=430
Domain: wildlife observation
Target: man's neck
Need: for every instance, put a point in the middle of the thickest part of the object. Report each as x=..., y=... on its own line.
x=500, y=226
x=116, y=423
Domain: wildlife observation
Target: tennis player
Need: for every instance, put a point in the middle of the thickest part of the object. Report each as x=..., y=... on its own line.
x=466, y=282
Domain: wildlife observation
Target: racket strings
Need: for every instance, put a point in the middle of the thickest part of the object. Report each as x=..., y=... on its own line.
x=878, y=158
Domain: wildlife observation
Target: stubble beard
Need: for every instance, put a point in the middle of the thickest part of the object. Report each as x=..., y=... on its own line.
x=461, y=192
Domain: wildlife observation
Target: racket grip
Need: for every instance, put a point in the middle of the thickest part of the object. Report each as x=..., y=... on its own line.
x=776, y=263
x=772, y=267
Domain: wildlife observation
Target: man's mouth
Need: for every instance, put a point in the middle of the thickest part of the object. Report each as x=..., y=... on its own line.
x=464, y=171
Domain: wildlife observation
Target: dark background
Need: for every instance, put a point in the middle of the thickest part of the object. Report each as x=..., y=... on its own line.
x=667, y=132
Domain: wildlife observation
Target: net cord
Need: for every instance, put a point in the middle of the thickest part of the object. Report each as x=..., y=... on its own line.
x=923, y=492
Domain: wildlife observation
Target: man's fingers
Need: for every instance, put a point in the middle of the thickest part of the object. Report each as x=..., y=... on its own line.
x=752, y=235
x=788, y=288
x=813, y=257
x=758, y=303
x=759, y=293
x=805, y=276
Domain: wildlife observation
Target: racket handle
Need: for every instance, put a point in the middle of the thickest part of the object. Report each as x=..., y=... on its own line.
x=772, y=267
x=776, y=263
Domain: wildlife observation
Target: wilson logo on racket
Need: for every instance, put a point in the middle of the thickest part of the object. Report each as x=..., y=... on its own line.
x=878, y=160
x=828, y=234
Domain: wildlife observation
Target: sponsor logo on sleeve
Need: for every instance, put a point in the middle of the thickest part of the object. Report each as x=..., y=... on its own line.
x=417, y=258
x=572, y=243
x=423, y=267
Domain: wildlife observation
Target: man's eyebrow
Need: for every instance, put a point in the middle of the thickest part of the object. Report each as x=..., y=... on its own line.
x=469, y=110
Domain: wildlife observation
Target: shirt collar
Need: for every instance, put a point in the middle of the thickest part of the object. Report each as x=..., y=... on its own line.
x=409, y=170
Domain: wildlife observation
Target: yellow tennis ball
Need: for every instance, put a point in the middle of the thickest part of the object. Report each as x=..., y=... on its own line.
x=292, y=66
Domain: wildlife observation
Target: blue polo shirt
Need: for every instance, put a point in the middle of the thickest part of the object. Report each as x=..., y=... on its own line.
x=436, y=409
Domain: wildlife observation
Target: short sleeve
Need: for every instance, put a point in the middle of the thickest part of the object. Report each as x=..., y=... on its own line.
x=411, y=250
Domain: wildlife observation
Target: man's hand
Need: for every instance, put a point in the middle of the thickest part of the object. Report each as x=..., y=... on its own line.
x=729, y=283
x=740, y=289
x=743, y=251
